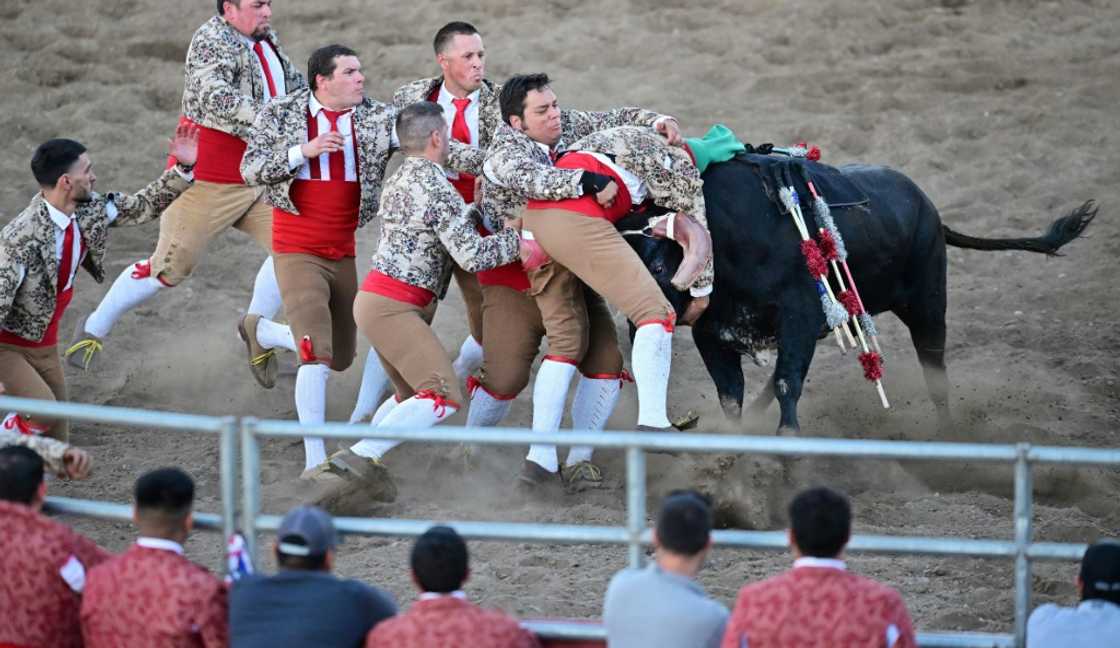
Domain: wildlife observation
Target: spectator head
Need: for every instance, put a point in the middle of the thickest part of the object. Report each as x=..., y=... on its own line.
x=820, y=522
x=461, y=57
x=1100, y=572
x=684, y=525
x=21, y=477
x=529, y=105
x=306, y=540
x=422, y=131
x=163, y=504
x=63, y=167
x=439, y=561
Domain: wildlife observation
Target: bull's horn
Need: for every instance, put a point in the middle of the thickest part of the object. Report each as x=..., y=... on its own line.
x=697, y=244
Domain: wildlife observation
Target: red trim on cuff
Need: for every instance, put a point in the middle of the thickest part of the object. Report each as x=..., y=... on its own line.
x=557, y=358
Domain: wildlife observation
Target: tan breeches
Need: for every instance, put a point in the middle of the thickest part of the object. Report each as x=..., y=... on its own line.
x=35, y=373
x=318, y=297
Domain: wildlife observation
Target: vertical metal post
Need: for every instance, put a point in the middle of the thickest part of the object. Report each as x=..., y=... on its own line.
x=251, y=479
x=635, y=502
x=1024, y=488
x=228, y=476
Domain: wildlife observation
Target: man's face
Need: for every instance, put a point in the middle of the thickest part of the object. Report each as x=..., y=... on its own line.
x=79, y=180
x=463, y=62
x=343, y=89
x=252, y=18
x=541, y=118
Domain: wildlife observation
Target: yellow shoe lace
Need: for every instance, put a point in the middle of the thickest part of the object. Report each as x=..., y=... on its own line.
x=89, y=347
x=262, y=358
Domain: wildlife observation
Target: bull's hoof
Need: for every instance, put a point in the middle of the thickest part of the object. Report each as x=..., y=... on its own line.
x=788, y=431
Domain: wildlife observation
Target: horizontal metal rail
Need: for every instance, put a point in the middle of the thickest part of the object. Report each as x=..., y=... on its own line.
x=586, y=631
x=114, y=415
x=118, y=512
x=705, y=443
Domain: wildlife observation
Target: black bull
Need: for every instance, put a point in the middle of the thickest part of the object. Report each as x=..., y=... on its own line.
x=764, y=297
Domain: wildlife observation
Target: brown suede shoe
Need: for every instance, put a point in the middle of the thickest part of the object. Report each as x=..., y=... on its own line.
x=85, y=349
x=262, y=361
x=370, y=473
x=534, y=477
x=581, y=476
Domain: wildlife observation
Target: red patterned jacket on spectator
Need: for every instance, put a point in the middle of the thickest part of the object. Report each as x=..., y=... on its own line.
x=43, y=566
x=153, y=596
x=450, y=621
x=819, y=603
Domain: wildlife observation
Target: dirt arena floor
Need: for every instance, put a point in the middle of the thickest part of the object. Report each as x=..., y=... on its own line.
x=1004, y=111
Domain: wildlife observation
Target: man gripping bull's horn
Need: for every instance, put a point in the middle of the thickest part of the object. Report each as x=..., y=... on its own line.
x=585, y=248
x=519, y=166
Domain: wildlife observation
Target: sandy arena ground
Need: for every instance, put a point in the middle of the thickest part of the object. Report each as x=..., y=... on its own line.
x=1003, y=111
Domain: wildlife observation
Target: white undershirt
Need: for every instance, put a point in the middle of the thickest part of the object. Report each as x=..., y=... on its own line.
x=431, y=596
x=62, y=222
x=345, y=128
x=163, y=544
x=274, y=66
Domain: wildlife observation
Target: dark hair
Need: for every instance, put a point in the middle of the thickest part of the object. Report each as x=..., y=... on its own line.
x=312, y=562
x=222, y=5
x=449, y=31
x=322, y=62
x=21, y=474
x=684, y=524
x=439, y=560
x=166, y=493
x=514, y=91
x=53, y=159
x=1100, y=572
x=416, y=122
x=821, y=520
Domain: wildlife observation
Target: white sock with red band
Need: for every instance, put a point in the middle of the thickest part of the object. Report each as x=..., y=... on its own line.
x=593, y=404
x=486, y=411
x=651, y=357
x=383, y=410
x=126, y=293
x=266, y=300
x=311, y=406
x=550, y=392
x=469, y=358
x=420, y=411
x=374, y=381
x=271, y=335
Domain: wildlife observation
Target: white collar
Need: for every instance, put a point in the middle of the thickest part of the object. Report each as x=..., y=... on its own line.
x=809, y=561
x=314, y=106
x=431, y=596
x=446, y=97
x=544, y=147
x=59, y=219
x=160, y=543
x=250, y=42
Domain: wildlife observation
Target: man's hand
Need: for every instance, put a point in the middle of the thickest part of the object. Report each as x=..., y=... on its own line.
x=607, y=196
x=695, y=309
x=184, y=146
x=671, y=130
x=77, y=463
x=328, y=142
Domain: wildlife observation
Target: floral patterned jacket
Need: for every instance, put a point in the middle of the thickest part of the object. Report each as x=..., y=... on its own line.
x=222, y=84
x=425, y=226
x=668, y=171
x=518, y=168
x=282, y=124
x=51, y=450
x=29, y=262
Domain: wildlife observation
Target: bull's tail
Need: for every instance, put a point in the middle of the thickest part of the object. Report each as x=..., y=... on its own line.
x=1061, y=231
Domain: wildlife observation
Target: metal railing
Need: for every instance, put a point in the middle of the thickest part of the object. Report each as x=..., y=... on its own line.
x=634, y=533
x=226, y=427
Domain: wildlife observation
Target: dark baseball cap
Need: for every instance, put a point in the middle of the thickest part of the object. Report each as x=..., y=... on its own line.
x=1100, y=569
x=306, y=531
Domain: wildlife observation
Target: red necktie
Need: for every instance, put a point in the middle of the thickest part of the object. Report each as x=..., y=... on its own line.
x=459, y=129
x=258, y=47
x=553, y=155
x=66, y=264
x=338, y=158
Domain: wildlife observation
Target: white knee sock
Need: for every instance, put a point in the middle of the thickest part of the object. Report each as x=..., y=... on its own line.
x=550, y=391
x=271, y=335
x=374, y=381
x=469, y=358
x=125, y=294
x=593, y=403
x=375, y=448
x=486, y=411
x=266, y=300
x=412, y=413
x=311, y=406
x=651, y=356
